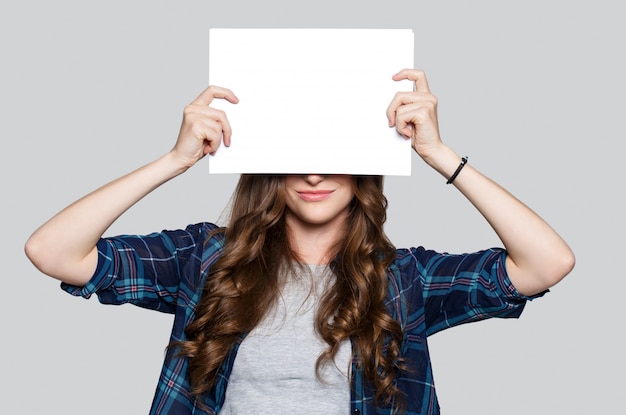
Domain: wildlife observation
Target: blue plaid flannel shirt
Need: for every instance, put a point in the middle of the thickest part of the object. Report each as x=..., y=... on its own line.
x=428, y=292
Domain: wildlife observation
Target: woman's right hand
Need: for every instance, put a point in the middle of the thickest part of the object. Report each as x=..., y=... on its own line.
x=203, y=128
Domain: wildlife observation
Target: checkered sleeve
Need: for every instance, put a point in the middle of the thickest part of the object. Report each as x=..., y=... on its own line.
x=144, y=270
x=461, y=288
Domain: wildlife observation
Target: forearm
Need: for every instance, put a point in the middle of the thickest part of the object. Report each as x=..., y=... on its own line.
x=65, y=246
x=538, y=257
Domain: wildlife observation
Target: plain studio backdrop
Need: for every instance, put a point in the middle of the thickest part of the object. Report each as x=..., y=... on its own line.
x=532, y=91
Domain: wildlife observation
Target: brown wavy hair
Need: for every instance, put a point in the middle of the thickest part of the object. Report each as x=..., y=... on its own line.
x=243, y=284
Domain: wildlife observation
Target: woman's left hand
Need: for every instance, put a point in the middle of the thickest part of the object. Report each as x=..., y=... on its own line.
x=537, y=257
x=414, y=114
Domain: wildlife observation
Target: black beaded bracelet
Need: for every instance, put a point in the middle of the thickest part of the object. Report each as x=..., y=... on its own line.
x=458, y=169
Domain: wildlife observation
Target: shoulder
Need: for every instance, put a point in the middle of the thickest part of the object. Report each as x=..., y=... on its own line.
x=203, y=237
x=410, y=260
x=409, y=263
x=198, y=246
x=194, y=236
x=193, y=233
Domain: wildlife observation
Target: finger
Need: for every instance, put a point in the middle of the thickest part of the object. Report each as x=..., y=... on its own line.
x=213, y=92
x=400, y=99
x=417, y=76
x=218, y=120
x=407, y=118
x=227, y=131
x=211, y=135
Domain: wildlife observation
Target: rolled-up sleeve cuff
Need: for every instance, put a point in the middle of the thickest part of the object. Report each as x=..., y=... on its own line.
x=101, y=277
x=503, y=282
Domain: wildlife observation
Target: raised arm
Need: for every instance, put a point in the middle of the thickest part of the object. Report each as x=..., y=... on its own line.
x=537, y=256
x=65, y=246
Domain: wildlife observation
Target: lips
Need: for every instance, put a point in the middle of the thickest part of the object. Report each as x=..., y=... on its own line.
x=315, y=195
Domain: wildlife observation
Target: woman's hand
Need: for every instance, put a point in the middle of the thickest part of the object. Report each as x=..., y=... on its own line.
x=203, y=127
x=414, y=114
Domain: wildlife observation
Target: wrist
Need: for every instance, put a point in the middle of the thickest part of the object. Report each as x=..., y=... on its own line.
x=458, y=170
x=172, y=164
x=444, y=160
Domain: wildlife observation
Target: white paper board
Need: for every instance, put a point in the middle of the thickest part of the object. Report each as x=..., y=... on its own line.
x=311, y=100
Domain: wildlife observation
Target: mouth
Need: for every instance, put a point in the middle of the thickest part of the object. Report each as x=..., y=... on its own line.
x=314, y=195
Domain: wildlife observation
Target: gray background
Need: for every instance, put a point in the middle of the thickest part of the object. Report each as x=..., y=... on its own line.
x=531, y=91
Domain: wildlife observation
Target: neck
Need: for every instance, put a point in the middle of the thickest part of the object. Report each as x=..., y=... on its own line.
x=314, y=244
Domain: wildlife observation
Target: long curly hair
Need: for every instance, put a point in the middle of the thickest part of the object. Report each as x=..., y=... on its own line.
x=243, y=285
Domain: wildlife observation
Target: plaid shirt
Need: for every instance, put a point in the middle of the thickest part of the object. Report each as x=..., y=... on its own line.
x=428, y=292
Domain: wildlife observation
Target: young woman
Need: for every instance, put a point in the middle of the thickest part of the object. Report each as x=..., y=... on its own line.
x=301, y=302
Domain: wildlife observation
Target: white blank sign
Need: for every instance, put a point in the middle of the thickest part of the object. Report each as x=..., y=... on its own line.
x=311, y=100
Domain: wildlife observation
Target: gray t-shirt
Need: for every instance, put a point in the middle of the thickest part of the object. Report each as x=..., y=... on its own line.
x=274, y=371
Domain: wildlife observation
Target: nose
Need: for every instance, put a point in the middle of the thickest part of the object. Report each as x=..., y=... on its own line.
x=313, y=179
